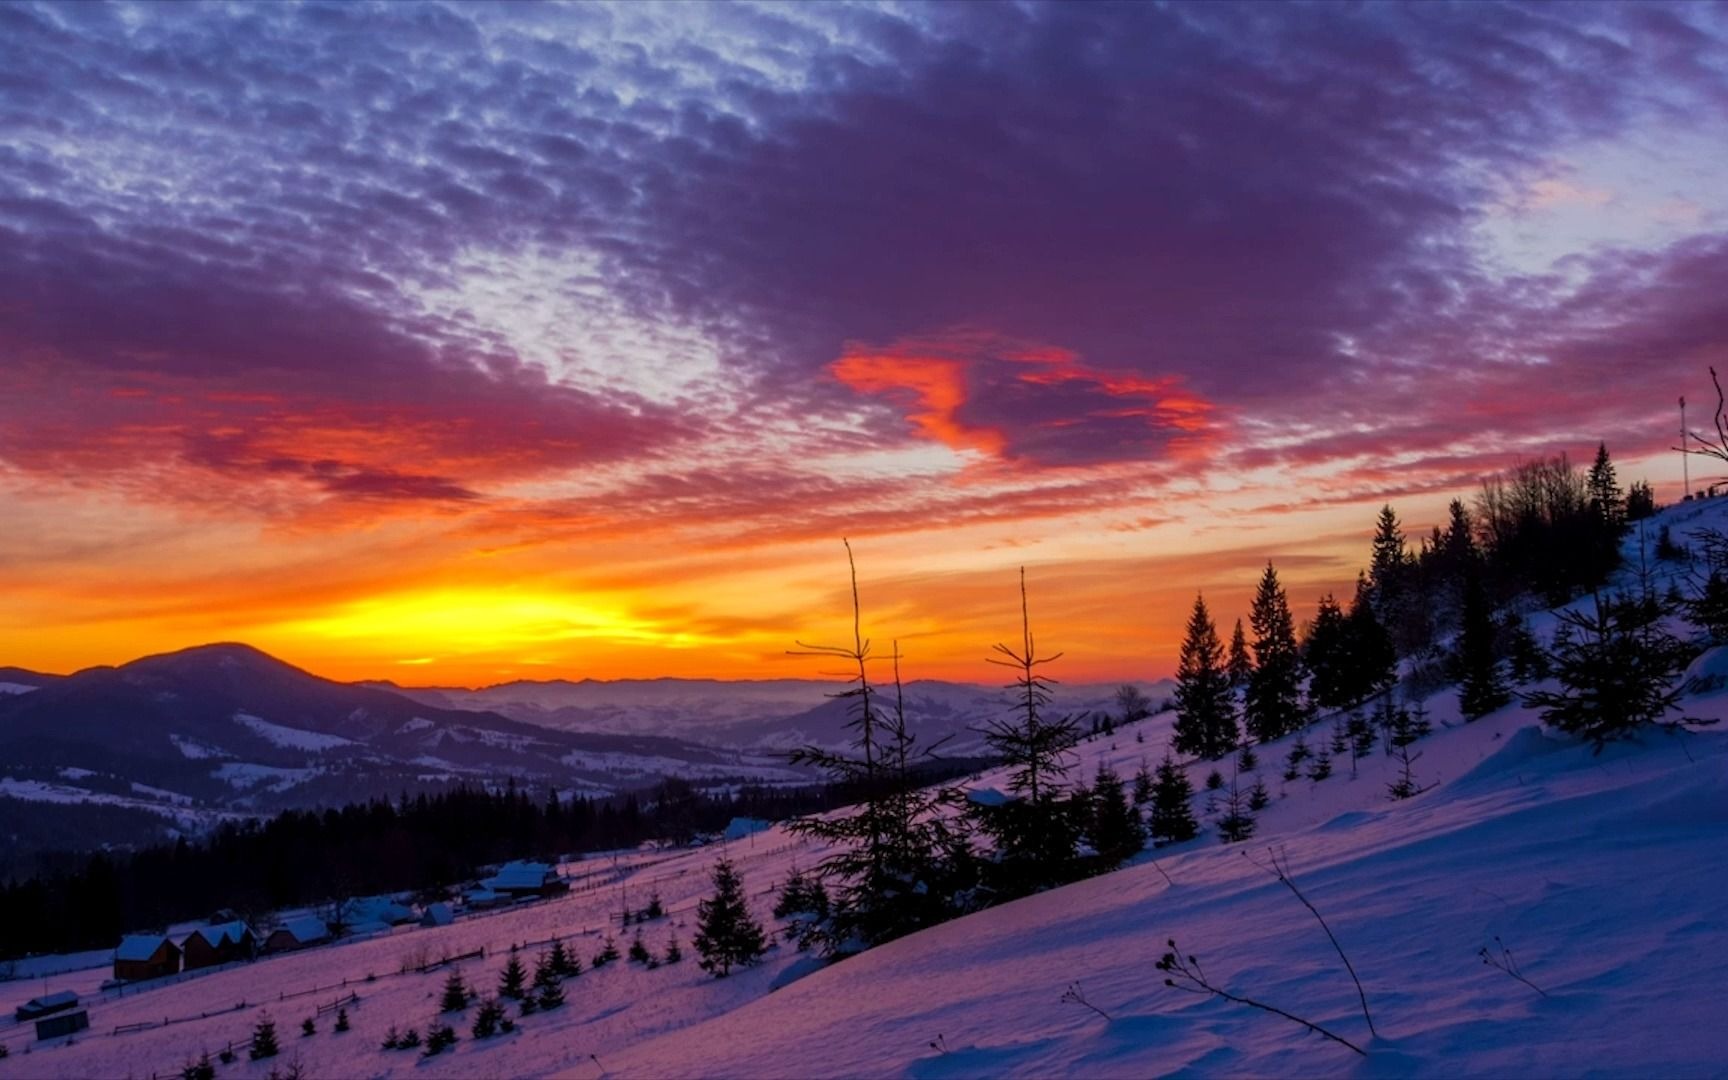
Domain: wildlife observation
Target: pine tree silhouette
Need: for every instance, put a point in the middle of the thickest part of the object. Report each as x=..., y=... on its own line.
x=1240, y=665
x=1274, y=701
x=1481, y=688
x=456, y=995
x=1618, y=668
x=1172, y=816
x=264, y=1040
x=1205, y=705
x=898, y=861
x=513, y=978
x=1116, y=831
x=1035, y=833
x=727, y=936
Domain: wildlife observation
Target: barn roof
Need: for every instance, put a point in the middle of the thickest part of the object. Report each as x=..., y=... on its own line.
x=224, y=933
x=51, y=1001
x=305, y=928
x=519, y=875
x=140, y=946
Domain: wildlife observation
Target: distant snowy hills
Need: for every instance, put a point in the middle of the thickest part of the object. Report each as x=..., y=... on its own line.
x=226, y=729
x=764, y=715
x=229, y=728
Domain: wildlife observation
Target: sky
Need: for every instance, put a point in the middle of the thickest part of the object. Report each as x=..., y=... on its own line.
x=460, y=343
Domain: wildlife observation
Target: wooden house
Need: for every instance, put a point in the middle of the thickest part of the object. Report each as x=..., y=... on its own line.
x=220, y=944
x=297, y=933
x=522, y=880
x=145, y=956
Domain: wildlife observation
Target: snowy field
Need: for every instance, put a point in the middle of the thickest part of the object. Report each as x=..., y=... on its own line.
x=1603, y=874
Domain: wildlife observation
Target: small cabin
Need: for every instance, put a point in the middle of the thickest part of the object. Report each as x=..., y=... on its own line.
x=482, y=897
x=379, y=909
x=521, y=880
x=62, y=1023
x=438, y=914
x=297, y=933
x=145, y=956
x=47, y=1004
x=225, y=943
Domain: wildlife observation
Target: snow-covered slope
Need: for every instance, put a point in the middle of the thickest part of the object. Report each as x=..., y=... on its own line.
x=1602, y=874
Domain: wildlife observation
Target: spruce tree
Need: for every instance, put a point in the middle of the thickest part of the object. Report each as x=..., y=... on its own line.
x=1036, y=832
x=1298, y=754
x=1390, y=553
x=1373, y=661
x=1237, y=824
x=1142, y=785
x=1258, y=797
x=804, y=905
x=1274, y=701
x=548, y=990
x=1240, y=665
x=1618, y=669
x=488, y=1018
x=1392, y=586
x=1333, y=678
x=264, y=1040
x=1460, y=541
x=607, y=954
x=899, y=861
x=1405, y=786
x=1115, y=828
x=513, y=978
x=1172, y=816
x=564, y=962
x=1205, y=705
x=1481, y=688
x=456, y=994
x=1525, y=661
x=1709, y=612
x=638, y=951
x=726, y=935
x=1606, y=499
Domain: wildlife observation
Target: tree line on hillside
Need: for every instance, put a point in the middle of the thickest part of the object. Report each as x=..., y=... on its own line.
x=423, y=843
x=1446, y=610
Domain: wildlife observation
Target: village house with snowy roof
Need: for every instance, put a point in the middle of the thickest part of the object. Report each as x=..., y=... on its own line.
x=146, y=956
x=223, y=943
x=297, y=933
x=522, y=880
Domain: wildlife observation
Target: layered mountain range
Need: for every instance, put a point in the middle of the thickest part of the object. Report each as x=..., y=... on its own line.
x=225, y=729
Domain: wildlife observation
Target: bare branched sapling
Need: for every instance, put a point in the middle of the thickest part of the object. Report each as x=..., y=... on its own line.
x=1278, y=865
x=1185, y=973
x=1504, y=960
x=1076, y=996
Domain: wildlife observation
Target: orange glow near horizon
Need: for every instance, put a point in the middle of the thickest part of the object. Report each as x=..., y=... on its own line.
x=376, y=558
